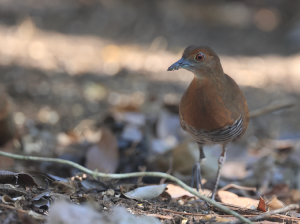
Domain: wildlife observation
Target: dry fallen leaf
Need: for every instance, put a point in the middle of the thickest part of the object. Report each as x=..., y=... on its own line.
x=295, y=193
x=104, y=156
x=279, y=190
x=275, y=204
x=93, y=184
x=145, y=193
x=12, y=191
x=287, y=195
x=231, y=198
x=262, y=205
x=178, y=192
x=7, y=177
x=12, y=201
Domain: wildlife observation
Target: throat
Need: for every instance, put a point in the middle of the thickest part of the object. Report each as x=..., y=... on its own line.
x=214, y=75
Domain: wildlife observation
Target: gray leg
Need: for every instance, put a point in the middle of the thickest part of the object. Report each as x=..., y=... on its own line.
x=221, y=161
x=196, y=174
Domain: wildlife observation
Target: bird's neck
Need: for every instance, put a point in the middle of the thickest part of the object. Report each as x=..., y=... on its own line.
x=209, y=76
x=212, y=71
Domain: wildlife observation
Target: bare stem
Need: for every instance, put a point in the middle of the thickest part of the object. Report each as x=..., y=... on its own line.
x=268, y=214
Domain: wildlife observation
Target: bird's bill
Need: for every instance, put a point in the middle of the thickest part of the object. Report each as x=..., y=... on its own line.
x=182, y=63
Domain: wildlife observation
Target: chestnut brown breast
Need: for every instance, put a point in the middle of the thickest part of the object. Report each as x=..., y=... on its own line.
x=214, y=111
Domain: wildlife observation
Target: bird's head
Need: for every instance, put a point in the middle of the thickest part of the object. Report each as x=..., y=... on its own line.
x=198, y=59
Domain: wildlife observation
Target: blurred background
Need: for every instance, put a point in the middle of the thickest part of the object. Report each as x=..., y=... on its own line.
x=86, y=80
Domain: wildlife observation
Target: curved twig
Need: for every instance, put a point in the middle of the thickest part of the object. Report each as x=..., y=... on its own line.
x=129, y=175
x=268, y=214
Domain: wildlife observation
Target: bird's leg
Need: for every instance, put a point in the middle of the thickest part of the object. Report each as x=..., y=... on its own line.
x=221, y=161
x=196, y=174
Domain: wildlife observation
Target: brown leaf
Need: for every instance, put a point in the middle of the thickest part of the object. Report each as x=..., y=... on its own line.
x=279, y=189
x=275, y=204
x=231, y=198
x=262, y=205
x=178, y=192
x=295, y=196
x=104, y=156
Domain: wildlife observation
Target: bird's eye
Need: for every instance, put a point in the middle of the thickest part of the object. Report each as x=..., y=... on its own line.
x=200, y=56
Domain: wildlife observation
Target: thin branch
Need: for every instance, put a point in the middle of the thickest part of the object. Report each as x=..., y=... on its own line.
x=237, y=187
x=277, y=211
x=283, y=217
x=268, y=214
x=129, y=175
x=271, y=107
x=166, y=217
x=184, y=213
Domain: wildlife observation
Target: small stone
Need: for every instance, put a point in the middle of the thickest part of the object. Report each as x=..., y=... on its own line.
x=110, y=192
x=181, y=202
x=140, y=205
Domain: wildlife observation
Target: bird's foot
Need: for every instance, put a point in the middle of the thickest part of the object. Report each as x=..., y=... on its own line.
x=196, y=176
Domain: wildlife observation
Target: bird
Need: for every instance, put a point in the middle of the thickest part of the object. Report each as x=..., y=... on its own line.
x=213, y=109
